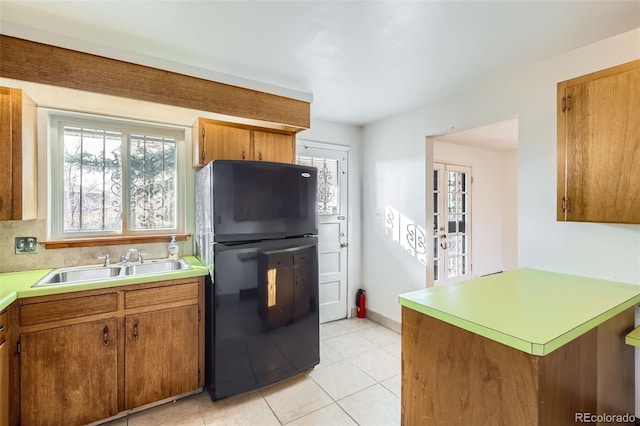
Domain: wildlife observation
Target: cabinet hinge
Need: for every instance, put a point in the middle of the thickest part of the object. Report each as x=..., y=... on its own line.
x=199, y=316
x=198, y=375
x=565, y=204
x=203, y=132
x=18, y=347
x=566, y=103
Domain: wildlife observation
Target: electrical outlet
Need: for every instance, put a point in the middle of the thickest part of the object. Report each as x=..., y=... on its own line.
x=26, y=245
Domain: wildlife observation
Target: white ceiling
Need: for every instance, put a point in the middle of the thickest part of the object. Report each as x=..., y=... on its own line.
x=358, y=61
x=501, y=136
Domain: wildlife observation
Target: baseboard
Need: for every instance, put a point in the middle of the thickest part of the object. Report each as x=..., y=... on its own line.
x=380, y=319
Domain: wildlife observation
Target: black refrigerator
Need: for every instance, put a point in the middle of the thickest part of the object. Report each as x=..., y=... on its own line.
x=256, y=231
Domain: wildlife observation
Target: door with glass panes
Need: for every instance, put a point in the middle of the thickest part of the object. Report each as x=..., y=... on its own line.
x=451, y=223
x=332, y=227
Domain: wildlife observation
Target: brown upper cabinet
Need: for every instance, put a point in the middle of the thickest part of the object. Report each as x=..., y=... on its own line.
x=599, y=146
x=219, y=140
x=18, y=162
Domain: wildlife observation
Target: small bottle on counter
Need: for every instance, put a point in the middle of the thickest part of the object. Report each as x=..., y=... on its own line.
x=173, y=249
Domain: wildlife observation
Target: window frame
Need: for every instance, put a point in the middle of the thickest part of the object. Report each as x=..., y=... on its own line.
x=58, y=119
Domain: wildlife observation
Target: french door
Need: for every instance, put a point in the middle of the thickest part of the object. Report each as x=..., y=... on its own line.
x=451, y=223
x=332, y=227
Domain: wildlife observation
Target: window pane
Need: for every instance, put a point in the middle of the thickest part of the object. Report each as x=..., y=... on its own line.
x=92, y=180
x=152, y=182
x=328, y=199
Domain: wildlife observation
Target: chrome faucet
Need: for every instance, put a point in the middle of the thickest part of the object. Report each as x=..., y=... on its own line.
x=125, y=257
x=107, y=259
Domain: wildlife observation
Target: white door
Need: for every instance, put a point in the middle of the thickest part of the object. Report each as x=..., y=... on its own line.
x=332, y=227
x=451, y=223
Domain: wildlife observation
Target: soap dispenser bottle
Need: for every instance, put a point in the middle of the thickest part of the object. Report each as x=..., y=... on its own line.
x=173, y=249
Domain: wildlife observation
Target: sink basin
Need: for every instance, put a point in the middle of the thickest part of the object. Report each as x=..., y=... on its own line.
x=82, y=274
x=155, y=267
x=79, y=274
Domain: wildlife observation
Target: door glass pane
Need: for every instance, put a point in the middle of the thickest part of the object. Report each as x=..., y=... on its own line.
x=462, y=221
x=328, y=197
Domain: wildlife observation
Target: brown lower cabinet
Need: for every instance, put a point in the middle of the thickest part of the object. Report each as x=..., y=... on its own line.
x=69, y=374
x=89, y=355
x=4, y=370
x=157, y=367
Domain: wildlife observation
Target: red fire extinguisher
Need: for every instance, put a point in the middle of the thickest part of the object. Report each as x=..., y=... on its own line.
x=360, y=301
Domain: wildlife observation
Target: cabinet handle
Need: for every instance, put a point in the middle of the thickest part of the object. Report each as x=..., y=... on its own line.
x=105, y=335
x=135, y=330
x=243, y=155
x=260, y=156
x=1, y=328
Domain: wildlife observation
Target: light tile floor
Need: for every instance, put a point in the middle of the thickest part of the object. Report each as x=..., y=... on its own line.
x=356, y=383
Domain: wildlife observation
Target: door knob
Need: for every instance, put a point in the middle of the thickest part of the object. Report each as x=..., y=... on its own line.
x=343, y=245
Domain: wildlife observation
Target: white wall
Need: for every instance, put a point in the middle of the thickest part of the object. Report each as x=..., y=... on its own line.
x=510, y=210
x=350, y=137
x=394, y=172
x=493, y=203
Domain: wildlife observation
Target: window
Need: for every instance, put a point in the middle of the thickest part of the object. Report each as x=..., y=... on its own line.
x=328, y=200
x=111, y=177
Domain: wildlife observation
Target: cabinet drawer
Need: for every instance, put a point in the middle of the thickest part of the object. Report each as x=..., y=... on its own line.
x=57, y=310
x=161, y=295
x=4, y=317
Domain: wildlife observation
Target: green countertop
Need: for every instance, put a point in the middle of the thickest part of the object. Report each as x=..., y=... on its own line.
x=14, y=285
x=530, y=310
x=633, y=338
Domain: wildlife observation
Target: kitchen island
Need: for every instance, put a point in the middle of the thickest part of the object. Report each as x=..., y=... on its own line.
x=525, y=347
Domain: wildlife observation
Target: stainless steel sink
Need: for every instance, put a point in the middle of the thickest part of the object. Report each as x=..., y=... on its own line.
x=156, y=267
x=79, y=274
x=82, y=274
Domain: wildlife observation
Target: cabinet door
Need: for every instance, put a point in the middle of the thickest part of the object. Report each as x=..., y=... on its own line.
x=18, y=162
x=225, y=142
x=599, y=147
x=68, y=374
x=276, y=147
x=6, y=157
x=161, y=355
x=4, y=384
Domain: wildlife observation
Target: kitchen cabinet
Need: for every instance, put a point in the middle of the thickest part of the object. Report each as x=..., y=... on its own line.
x=68, y=359
x=532, y=354
x=69, y=374
x=161, y=346
x=88, y=355
x=4, y=370
x=18, y=162
x=219, y=140
x=276, y=147
x=599, y=146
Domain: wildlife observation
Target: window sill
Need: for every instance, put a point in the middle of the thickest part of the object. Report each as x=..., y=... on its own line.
x=111, y=241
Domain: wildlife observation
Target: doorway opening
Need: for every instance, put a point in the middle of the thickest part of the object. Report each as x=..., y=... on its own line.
x=474, y=202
